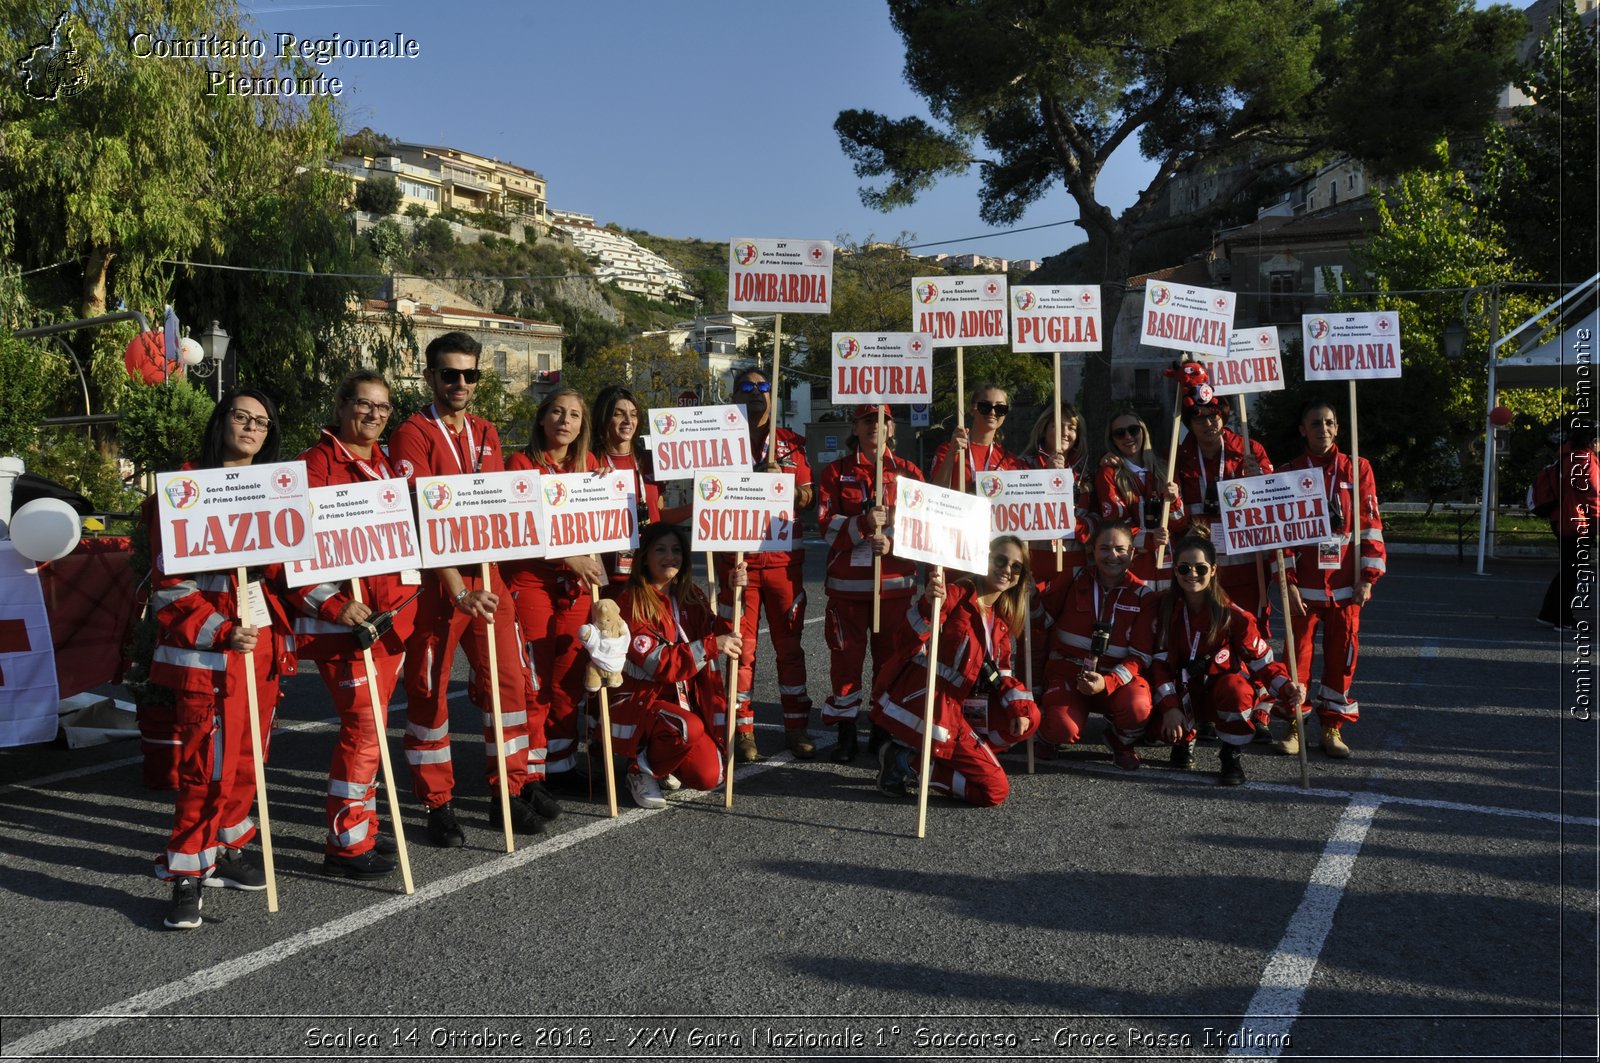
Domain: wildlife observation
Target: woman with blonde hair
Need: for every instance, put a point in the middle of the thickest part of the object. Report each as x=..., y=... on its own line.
x=1130, y=485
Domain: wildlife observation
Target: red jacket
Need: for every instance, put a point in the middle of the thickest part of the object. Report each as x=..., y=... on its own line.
x=790, y=457
x=901, y=689
x=1067, y=609
x=1579, y=475
x=668, y=661
x=1112, y=506
x=316, y=627
x=553, y=577
x=845, y=492
x=1318, y=585
x=1184, y=642
x=980, y=458
x=424, y=446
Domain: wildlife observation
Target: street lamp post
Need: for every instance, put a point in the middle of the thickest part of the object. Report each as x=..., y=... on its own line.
x=214, y=341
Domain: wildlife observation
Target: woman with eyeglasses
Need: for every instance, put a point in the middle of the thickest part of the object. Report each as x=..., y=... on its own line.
x=980, y=707
x=1130, y=485
x=664, y=720
x=1101, y=639
x=348, y=452
x=553, y=597
x=1209, y=659
x=978, y=448
x=202, y=650
x=616, y=441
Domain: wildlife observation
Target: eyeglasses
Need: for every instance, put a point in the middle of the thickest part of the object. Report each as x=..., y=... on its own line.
x=455, y=376
x=1005, y=564
x=1198, y=568
x=999, y=409
x=1131, y=431
x=382, y=409
x=747, y=386
x=240, y=418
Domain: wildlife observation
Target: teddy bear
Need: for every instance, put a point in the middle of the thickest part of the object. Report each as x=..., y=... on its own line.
x=606, y=639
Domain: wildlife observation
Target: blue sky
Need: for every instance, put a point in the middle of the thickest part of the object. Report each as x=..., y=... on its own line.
x=703, y=118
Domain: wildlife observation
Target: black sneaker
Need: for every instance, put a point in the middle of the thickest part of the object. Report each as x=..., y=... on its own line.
x=540, y=800
x=1182, y=755
x=1207, y=733
x=184, y=912
x=1232, y=773
x=385, y=844
x=235, y=871
x=443, y=829
x=894, y=770
x=849, y=744
x=524, y=820
x=370, y=864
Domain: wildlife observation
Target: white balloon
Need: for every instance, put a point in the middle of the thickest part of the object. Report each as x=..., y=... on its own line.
x=190, y=352
x=46, y=529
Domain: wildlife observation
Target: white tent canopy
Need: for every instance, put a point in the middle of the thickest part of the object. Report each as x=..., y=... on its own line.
x=1555, y=361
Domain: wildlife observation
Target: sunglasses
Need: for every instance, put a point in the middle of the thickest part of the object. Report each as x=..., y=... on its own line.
x=761, y=386
x=999, y=409
x=1131, y=431
x=456, y=376
x=1005, y=564
x=240, y=418
x=1198, y=568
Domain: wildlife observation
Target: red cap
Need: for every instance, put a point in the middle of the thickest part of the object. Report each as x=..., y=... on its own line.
x=869, y=409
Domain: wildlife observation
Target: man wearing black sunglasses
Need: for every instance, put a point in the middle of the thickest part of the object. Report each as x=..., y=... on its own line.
x=455, y=607
x=776, y=581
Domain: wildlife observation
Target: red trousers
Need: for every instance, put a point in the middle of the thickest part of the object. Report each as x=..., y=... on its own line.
x=1341, y=629
x=675, y=742
x=1065, y=711
x=781, y=592
x=847, y=628
x=1227, y=702
x=971, y=773
x=352, y=806
x=550, y=623
x=216, y=772
x=430, y=655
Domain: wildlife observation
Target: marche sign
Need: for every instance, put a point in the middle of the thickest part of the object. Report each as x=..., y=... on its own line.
x=1273, y=512
x=886, y=367
x=1032, y=504
x=236, y=517
x=938, y=526
x=476, y=518
x=1364, y=346
x=360, y=529
x=1181, y=317
x=748, y=511
x=1253, y=363
x=780, y=276
x=685, y=440
x=589, y=513
x=960, y=311
x=1060, y=317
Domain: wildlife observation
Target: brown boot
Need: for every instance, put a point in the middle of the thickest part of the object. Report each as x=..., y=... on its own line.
x=799, y=743
x=745, y=751
x=1333, y=744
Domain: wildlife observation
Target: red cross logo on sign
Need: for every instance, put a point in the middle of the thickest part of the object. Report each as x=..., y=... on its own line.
x=916, y=346
x=1383, y=324
x=777, y=488
x=816, y=254
x=1222, y=303
x=520, y=487
x=388, y=496
x=733, y=417
x=1306, y=482
x=285, y=481
x=1086, y=297
x=991, y=287
x=1056, y=482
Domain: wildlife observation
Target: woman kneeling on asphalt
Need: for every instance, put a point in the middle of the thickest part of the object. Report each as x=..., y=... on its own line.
x=1204, y=644
x=979, y=706
x=669, y=714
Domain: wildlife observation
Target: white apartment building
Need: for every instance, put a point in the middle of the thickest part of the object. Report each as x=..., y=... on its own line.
x=618, y=260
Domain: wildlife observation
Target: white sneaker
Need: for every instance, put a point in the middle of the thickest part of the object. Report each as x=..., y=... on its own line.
x=670, y=784
x=646, y=794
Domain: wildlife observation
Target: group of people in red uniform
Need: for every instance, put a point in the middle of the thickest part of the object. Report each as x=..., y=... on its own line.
x=1159, y=650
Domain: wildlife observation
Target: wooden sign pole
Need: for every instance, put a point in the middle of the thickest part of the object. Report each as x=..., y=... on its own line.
x=1354, y=517
x=961, y=417
x=1027, y=649
x=380, y=720
x=252, y=702
x=927, y=721
x=1294, y=670
x=1261, y=563
x=732, y=665
x=1172, y=470
x=877, y=500
x=493, y=681
x=1060, y=559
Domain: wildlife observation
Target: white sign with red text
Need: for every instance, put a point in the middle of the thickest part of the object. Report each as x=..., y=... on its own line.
x=1032, y=504
x=941, y=527
x=477, y=517
x=749, y=511
x=1057, y=317
x=223, y=518
x=1181, y=317
x=1364, y=346
x=689, y=439
x=960, y=311
x=1253, y=363
x=360, y=529
x=1273, y=512
x=780, y=276
x=589, y=513
x=881, y=367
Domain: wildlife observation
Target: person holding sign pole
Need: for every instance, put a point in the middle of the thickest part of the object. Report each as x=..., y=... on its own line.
x=857, y=530
x=979, y=447
x=455, y=608
x=980, y=706
x=203, y=646
x=1208, y=651
x=1323, y=589
x=615, y=440
x=1102, y=637
x=1130, y=483
x=664, y=716
x=777, y=581
x=553, y=598
x=348, y=452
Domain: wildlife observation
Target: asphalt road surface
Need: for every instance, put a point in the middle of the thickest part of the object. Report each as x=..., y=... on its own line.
x=1432, y=897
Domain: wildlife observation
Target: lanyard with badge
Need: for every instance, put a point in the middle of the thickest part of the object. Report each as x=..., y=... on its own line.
x=450, y=443
x=1330, y=551
x=623, y=564
x=681, y=685
x=976, y=708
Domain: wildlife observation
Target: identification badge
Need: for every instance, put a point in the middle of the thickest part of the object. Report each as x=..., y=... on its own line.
x=411, y=577
x=253, y=611
x=1328, y=551
x=861, y=554
x=976, y=710
x=624, y=563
